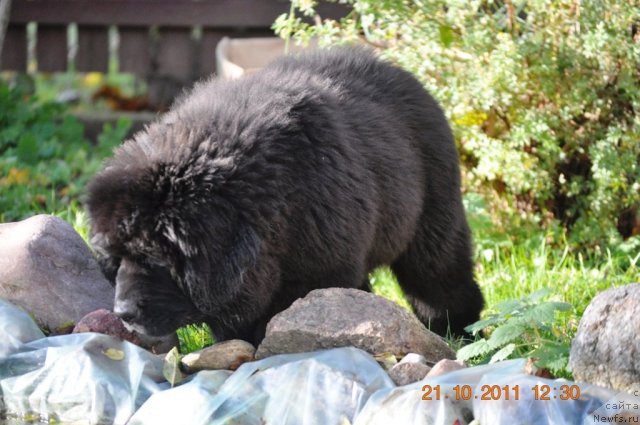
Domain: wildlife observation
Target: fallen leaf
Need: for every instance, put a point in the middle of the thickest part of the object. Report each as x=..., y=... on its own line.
x=114, y=354
x=171, y=368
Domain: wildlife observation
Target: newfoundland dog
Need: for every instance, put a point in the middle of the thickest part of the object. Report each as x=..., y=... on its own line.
x=308, y=174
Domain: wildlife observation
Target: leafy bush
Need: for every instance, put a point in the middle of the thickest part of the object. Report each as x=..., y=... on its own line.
x=542, y=96
x=522, y=328
x=45, y=161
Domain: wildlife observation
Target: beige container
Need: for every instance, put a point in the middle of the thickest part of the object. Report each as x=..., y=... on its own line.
x=238, y=56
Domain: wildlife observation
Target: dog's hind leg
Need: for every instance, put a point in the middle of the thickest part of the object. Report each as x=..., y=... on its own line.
x=436, y=274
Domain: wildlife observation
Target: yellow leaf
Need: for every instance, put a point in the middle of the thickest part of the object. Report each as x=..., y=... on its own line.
x=93, y=79
x=16, y=176
x=114, y=354
x=471, y=119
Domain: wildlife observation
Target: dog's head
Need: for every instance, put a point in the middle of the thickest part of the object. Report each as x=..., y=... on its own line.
x=165, y=233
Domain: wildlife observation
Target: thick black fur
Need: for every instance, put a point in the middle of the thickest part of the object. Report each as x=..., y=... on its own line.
x=308, y=174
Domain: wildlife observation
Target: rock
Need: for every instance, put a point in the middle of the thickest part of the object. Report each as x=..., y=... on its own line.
x=48, y=270
x=341, y=317
x=445, y=366
x=605, y=349
x=414, y=358
x=106, y=322
x=412, y=368
x=408, y=373
x=226, y=355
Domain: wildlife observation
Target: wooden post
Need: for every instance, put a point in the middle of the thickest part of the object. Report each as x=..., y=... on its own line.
x=5, y=8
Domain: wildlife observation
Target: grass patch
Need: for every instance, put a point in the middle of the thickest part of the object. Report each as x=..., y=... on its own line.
x=515, y=271
x=194, y=337
x=384, y=283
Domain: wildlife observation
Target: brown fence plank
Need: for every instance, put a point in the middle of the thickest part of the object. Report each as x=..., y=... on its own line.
x=175, y=54
x=210, y=39
x=14, y=51
x=93, y=49
x=212, y=13
x=134, y=51
x=51, y=48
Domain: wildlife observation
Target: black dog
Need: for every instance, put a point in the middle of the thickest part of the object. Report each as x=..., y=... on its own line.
x=248, y=194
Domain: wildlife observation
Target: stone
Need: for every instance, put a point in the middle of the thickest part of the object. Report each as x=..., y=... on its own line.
x=106, y=322
x=605, y=349
x=48, y=270
x=411, y=368
x=226, y=355
x=414, y=358
x=342, y=317
x=408, y=372
x=445, y=366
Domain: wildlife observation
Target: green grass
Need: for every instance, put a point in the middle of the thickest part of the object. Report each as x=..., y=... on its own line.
x=515, y=271
x=384, y=283
x=194, y=337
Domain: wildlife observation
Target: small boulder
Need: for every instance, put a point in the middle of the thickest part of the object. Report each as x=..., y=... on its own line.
x=48, y=270
x=106, y=322
x=445, y=366
x=605, y=349
x=412, y=368
x=342, y=317
x=226, y=355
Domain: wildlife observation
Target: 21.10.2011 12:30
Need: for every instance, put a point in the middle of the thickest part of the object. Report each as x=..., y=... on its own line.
x=542, y=392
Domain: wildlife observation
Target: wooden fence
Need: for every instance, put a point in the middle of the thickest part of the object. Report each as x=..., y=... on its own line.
x=169, y=38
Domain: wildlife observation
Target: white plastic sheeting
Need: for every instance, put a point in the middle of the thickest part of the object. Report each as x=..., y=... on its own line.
x=509, y=399
x=324, y=387
x=95, y=379
x=79, y=378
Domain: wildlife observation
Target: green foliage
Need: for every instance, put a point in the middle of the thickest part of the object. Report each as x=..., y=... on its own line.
x=511, y=268
x=45, y=161
x=194, y=337
x=542, y=96
x=523, y=328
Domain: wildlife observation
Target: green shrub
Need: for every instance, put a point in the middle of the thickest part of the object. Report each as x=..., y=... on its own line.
x=523, y=328
x=542, y=96
x=45, y=161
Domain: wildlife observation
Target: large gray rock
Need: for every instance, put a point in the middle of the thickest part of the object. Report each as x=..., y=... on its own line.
x=606, y=348
x=48, y=270
x=340, y=317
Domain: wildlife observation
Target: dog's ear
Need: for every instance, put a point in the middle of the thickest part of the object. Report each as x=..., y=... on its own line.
x=108, y=263
x=213, y=278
